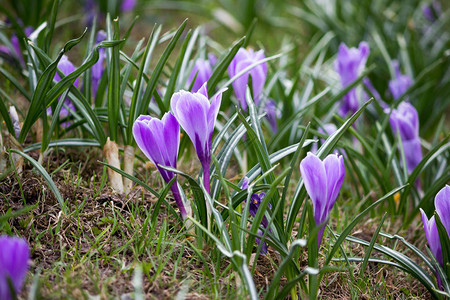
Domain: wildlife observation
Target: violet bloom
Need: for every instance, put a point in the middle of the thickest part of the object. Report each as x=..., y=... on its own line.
x=349, y=65
x=432, y=11
x=273, y=114
x=127, y=5
x=405, y=121
x=201, y=71
x=16, y=52
x=197, y=116
x=243, y=59
x=159, y=140
x=98, y=68
x=400, y=84
x=66, y=67
x=322, y=180
x=14, y=256
x=255, y=202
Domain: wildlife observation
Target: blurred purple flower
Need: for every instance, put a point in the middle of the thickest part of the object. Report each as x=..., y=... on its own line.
x=16, y=52
x=201, y=71
x=330, y=128
x=405, y=121
x=197, y=116
x=255, y=202
x=159, y=140
x=14, y=256
x=66, y=67
x=127, y=5
x=243, y=59
x=98, y=68
x=92, y=11
x=374, y=93
x=432, y=11
x=273, y=114
x=322, y=180
x=349, y=65
x=400, y=84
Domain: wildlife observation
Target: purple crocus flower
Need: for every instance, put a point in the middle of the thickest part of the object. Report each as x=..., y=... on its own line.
x=273, y=114
x=432, y=11
x=400, y=84
x=201, y=71
x=243, y=59
x=16, y=52
x=98, y=69
x=66, y=67
x=255, y=202
x=442, y=204
x=159, y=140
x=322, y=180
x=197, y=116
x=127, y=5
x=349, y=65
x=405, y=121
x=14, y=256
x=432, y=235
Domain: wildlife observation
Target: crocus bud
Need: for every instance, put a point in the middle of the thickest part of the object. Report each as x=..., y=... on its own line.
x=159, y=140
x=243, y=59
x=323, y=181
x=400, y=84
x=349, y=64
x=405, y=121
x=14, y=256
x=201, y=71
x=197, y=116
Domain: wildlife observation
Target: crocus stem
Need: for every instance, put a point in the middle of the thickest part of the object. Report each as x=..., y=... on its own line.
x=207, y=184
x=177, y=196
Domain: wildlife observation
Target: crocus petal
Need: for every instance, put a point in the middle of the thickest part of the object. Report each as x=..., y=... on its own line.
x=315, y=180
x=145, y=129
x=335, y=170
x=191, y=112
x=172, y=138
x=14, y=256
x=442, y=204
x=202, y=71
x=413, y=154
x=213, y=112
x=432, y=235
